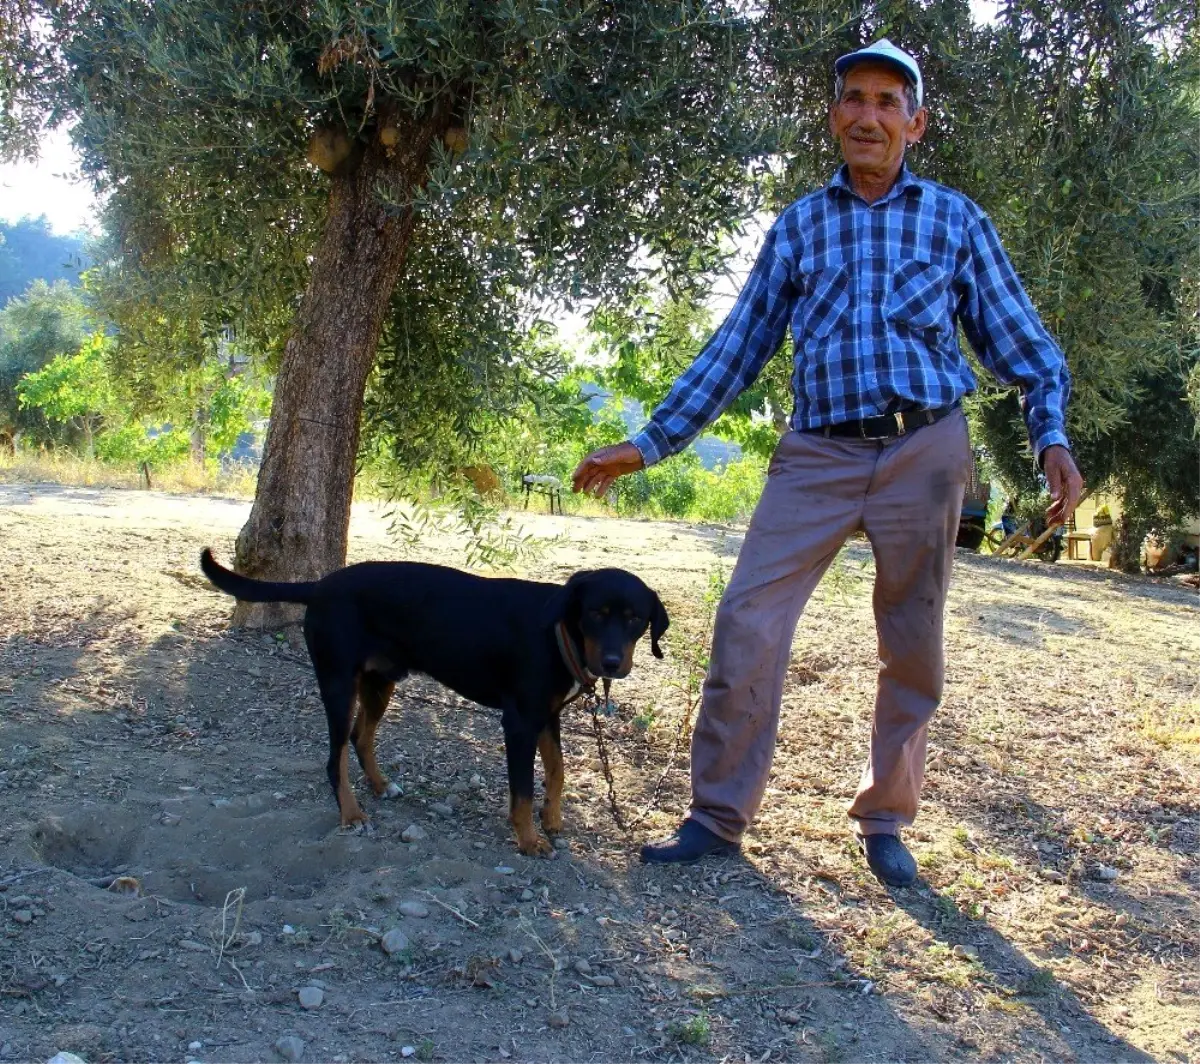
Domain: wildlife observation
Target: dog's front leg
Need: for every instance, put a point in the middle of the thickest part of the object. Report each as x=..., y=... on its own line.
x=520, y=748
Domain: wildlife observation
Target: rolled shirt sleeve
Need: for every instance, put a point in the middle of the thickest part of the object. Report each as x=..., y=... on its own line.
x=731, y=360
x=1012, y=343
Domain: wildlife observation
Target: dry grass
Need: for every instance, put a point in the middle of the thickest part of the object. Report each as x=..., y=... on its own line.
x=183, y=478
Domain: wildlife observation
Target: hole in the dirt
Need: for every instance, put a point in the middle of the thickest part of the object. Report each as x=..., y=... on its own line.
x=200, y=857
x=85, y=846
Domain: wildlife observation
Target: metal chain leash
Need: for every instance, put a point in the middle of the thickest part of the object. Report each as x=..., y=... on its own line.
x=594, y=702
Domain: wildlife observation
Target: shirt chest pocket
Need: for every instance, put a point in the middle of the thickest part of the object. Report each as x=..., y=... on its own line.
x=918, y=296
x=826, y=306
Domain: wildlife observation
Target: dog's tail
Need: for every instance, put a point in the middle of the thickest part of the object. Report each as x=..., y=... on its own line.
x=249, y=590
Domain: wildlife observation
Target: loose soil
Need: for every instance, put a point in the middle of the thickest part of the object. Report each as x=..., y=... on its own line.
x=172, y=874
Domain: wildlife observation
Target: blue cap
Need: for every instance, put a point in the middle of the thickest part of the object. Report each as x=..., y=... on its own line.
x=883, y=51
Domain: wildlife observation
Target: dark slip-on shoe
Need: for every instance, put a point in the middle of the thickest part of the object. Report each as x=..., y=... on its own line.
x=691, y=842
x=889, y=859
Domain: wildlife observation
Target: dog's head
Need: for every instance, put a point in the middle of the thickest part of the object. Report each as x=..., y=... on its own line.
x=607, y=611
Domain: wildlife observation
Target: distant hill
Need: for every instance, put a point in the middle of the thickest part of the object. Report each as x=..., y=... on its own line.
x=713, y=450
x=29, y=250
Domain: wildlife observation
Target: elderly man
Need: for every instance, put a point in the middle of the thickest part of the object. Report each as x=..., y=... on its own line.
x=873, y=273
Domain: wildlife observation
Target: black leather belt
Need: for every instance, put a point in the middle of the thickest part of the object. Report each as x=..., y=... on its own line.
x=886, y=426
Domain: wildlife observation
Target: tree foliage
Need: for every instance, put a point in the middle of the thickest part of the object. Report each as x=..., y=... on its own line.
x=74, y=389
x=47, y=321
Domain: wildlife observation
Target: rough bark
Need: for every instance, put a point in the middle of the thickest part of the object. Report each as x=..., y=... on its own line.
x=299, y=523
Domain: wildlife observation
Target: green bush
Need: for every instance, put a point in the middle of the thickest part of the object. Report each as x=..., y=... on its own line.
x=132, y=445
x=729, y=492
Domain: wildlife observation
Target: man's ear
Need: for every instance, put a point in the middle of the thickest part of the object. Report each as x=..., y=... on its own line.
x=565, y=601
x=659, y=623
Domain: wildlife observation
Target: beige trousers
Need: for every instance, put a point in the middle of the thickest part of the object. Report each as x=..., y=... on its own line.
x=906, y=494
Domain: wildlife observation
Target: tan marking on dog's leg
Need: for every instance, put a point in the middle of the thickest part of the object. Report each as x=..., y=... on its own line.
x=552, y=763
x=529, y=842
x=351, y=812
x=373, y=698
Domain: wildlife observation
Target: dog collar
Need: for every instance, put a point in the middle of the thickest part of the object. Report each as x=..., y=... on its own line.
x=581, y=677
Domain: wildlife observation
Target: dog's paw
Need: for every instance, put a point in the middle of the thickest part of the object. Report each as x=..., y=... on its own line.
x=552, y=823
x=356, y=825
x=392, y=790
x=535, y=846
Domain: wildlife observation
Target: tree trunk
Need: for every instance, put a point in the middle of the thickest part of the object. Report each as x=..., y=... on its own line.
x=300, y=520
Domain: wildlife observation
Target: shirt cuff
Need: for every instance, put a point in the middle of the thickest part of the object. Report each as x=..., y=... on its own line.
x=1049, y=437
x=653, y=444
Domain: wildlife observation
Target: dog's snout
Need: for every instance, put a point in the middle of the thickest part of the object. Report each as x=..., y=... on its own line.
x=611, y=663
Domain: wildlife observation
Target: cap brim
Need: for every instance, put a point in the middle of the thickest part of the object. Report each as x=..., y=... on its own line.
x=845, y=62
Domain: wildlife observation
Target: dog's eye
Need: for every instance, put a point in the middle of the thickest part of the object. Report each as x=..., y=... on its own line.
x=634, y=621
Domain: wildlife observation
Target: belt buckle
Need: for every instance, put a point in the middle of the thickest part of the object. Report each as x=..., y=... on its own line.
x=899, y=424
x=862, y=429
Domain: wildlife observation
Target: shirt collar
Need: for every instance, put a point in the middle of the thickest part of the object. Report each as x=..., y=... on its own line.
x=905, y=180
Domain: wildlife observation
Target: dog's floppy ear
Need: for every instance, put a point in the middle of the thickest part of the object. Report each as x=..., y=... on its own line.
x=559, y=605
x=659, y=623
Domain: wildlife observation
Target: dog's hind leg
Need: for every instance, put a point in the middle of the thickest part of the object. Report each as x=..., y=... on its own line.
x=374, y=692
x=520, y=748
x=337, y=692
x=550, y=747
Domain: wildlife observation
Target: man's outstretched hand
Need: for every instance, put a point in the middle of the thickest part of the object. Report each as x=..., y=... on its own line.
x=1066, y=485
x=597, y=472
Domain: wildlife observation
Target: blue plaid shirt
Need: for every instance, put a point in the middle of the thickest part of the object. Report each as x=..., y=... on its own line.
x=872, y=293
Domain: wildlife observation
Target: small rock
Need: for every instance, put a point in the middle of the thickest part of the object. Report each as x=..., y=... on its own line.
x=515, y=956
x=290, y=1047
x=195, y=1047
x=441, y=808
x=413, y=833
x=1122, y=919
x=414, y=909
x=23, y=916
x=582, y=967
x=1052, y=875
x=561, y=844
x=395, y=941
x=407, y=1051
x=476, y=780
x=968, y=953
x=559, y=1019
x=63, y=1057
x=193, y=945
x=789, y=1017
x=1105, y=873
x=252, y=938
x=527, y=894
x=603, y=980
x=504, y=870
x=311, y=997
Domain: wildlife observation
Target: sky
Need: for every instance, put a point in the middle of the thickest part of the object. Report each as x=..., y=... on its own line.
x=50, y=187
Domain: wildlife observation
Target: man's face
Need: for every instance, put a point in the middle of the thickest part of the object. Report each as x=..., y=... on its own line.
x=871, y=120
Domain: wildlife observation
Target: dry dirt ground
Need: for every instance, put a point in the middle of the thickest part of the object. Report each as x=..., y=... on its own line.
x=1058, y=916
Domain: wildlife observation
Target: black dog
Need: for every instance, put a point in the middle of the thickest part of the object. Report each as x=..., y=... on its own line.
x=522, y=647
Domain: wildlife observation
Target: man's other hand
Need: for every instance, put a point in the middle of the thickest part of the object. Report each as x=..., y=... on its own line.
x=1066, y=485
x=597, y=472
